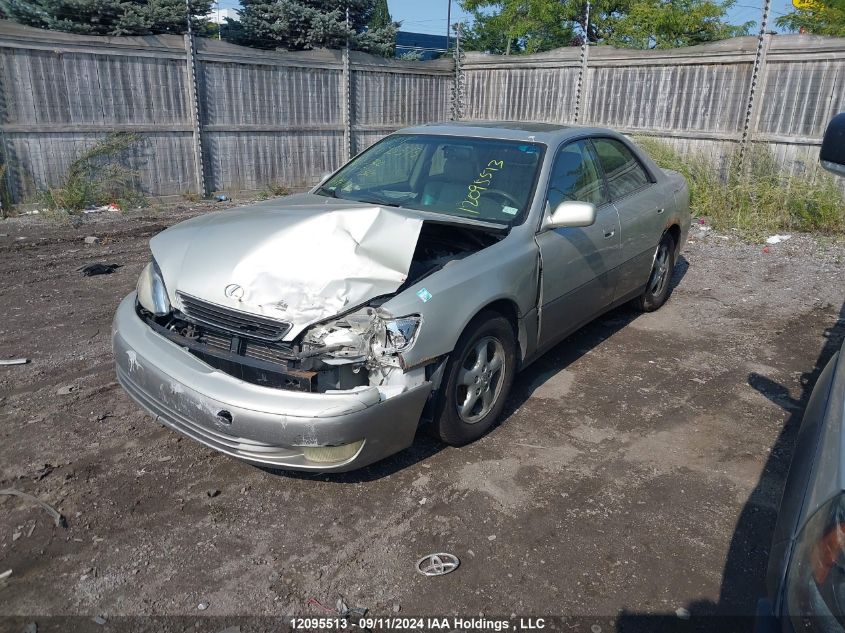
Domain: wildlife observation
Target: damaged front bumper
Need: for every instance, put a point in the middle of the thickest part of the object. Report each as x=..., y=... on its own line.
x=268, y=426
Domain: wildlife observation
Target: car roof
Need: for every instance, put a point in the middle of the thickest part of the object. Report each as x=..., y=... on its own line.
x=543, y=132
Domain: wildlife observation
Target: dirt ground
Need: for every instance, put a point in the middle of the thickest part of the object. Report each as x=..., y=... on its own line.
x=636, y=473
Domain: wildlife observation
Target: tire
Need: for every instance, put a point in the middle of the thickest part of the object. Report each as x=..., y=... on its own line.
x=458, y=418
x=660, y=278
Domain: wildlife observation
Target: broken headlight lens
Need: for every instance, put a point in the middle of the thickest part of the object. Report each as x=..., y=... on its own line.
x=152, y=295
x=401, y=333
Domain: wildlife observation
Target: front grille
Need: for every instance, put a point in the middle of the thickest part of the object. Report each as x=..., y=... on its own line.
x=233, y=321
x=267, y=353
x=220, y=341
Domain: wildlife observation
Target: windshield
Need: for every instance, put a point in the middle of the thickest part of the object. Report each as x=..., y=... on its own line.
x=485, y=179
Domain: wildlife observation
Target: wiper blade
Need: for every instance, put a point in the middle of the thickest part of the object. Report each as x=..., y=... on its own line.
x=381, y=203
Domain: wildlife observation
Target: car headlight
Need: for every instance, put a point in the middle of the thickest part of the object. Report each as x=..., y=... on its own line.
x=363, y=334
x=400, y=333
x=815, y=585
x=152, y=295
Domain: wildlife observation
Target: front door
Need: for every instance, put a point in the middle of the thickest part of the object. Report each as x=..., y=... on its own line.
x=579, y=265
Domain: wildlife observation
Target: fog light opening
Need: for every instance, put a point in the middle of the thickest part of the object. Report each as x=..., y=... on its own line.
x=331, y=454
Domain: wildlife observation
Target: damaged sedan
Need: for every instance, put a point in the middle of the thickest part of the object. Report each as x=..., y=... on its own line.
x=320, y=331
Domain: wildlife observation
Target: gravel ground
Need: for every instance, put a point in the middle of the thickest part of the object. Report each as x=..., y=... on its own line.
x=636, y=472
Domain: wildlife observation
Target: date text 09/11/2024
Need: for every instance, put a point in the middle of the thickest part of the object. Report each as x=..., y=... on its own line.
x=418, y=623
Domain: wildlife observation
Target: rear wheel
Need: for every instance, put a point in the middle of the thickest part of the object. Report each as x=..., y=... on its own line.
x=659, y=281
x=477, y=380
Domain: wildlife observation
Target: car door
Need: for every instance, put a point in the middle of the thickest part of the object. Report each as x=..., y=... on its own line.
x=640, y=204
x=579, y=264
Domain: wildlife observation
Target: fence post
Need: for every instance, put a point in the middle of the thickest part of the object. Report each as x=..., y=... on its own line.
x=346, y=95
x=581, y=86
x=758, y=76
x=194, y=108
x=458, y=82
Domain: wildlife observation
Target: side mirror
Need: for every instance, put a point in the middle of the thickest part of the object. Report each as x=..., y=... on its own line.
x=571, y=213
x=832, y=154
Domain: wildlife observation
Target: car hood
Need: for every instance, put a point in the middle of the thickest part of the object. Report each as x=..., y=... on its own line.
x=300, y=259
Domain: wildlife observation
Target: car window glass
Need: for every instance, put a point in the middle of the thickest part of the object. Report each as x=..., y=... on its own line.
x=575, y=177
x=393, y=166
x=623, y=171
x=438, y=162
x=483, y=178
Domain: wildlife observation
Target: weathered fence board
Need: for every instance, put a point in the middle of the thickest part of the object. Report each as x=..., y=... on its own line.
x=264, y=117
x=695, y=98
x=267, y=117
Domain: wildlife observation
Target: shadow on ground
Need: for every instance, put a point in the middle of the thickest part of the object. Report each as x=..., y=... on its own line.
x=745, y=566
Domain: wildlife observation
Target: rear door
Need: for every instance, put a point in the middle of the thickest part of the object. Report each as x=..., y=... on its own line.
x=639, y=202
x=578, y=264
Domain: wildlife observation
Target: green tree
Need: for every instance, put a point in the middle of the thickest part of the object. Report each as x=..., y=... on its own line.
x=530, y=26
x=516, y=26
x=297, y=25
x=674, y=23
x=107, y=17
x=821, y=17
x=380, y=17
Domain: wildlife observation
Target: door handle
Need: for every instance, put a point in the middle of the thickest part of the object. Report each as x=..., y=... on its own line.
x=608, y=233
x=660, y=210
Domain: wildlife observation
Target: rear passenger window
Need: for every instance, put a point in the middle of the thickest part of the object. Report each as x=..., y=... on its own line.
x=623, y=171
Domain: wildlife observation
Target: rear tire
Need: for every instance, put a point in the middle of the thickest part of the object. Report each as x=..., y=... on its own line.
x=477, y=380
x=659, y=280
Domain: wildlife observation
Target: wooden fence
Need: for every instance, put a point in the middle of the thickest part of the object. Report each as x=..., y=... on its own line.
x=697, y=99
x=219, y=117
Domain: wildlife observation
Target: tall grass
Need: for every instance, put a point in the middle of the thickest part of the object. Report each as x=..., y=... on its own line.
x=754, y=195
x=99, y=176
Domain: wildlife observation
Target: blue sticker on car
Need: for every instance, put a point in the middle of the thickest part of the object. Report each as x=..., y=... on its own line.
x=424, y=295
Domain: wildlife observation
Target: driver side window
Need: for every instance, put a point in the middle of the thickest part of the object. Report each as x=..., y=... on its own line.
x=575, y=176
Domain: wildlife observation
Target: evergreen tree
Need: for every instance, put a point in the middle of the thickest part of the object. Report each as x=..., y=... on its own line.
x=107, y=17
x=297, y=25
x=381, y=15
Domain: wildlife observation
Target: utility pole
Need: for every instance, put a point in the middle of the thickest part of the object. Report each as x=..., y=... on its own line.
x=757, y=76
x=219, y=23
x=448, y=21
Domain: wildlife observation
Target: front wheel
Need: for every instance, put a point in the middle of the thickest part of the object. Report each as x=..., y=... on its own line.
x=478, y=378
x=659, y=281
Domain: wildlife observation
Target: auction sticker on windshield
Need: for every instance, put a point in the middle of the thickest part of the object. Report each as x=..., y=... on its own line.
x=482, y=183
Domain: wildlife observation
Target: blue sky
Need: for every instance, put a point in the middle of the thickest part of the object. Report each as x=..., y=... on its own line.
x=429, y=16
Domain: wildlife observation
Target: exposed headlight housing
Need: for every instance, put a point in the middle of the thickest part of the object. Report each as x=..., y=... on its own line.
x=815, y=585
x=152, y=295
x=364, y=336
x=400, y=333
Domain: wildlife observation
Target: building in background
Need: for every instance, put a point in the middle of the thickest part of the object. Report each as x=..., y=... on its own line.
x=424, y=45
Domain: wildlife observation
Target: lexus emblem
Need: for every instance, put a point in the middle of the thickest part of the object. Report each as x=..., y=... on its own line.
x=234, y=291
x=437, y=564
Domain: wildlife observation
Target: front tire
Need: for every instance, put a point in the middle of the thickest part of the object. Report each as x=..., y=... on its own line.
x=477, y=380
x=659, y=280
